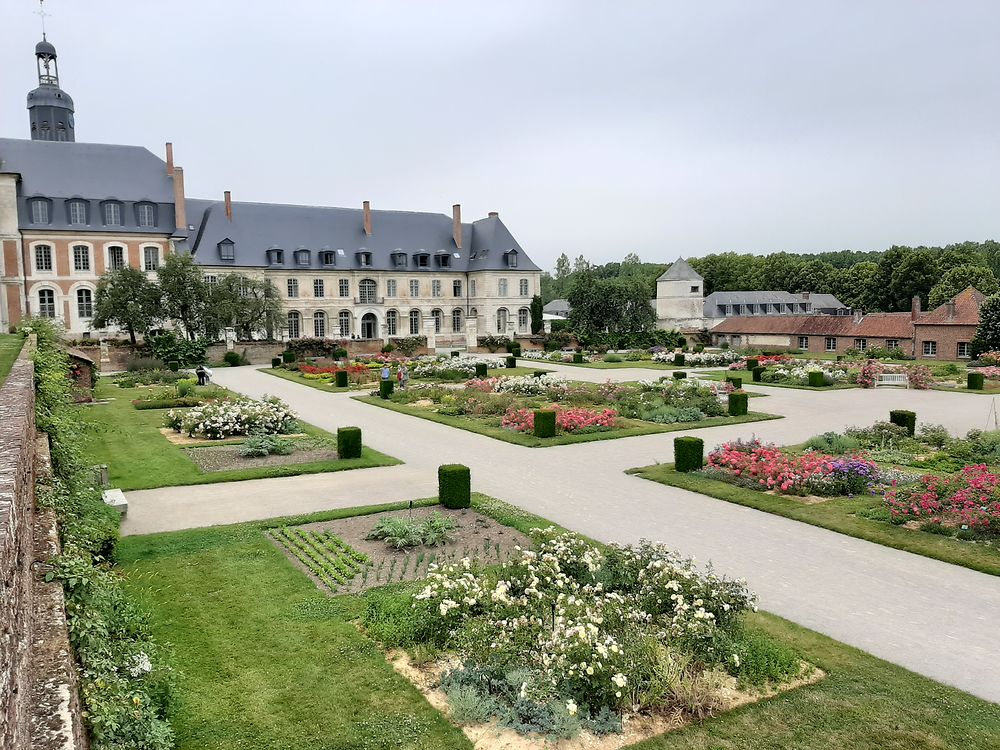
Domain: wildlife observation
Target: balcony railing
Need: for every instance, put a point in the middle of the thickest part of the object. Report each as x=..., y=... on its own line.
x=369, y=300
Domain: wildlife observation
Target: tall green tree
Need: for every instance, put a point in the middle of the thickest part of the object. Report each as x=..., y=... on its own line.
x=987, y=338
x=914, y=276
x=127, y=299
x=251, y=306
x=960, y=278
x=184, y=294
x=537, y=323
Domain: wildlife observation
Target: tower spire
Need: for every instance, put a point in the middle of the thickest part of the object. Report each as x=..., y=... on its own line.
x=50, y=109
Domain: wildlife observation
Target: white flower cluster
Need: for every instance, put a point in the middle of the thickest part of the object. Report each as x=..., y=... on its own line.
x=238, y=416
x=428, y=367
x=140, y=664
x=720, y=358
x=529, y=385
x=798, y=371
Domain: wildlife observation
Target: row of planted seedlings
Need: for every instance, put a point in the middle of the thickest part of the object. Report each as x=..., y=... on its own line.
x=324, y=554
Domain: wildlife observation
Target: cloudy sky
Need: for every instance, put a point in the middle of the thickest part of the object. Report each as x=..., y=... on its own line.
x=664, y=128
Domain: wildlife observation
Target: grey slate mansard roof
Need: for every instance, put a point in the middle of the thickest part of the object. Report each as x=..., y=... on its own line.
x=257, y=227
x=816, y=301
x=95, y=171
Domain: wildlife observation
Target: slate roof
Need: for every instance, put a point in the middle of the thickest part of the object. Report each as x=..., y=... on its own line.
x=680, y=270
x=967, y=304
x=815, y=301
x=257, y=227
x=872, y=325
x=557, y=306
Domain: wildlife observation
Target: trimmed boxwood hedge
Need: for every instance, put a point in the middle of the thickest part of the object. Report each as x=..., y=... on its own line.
x=168, y=403
x=734, y=381
x=738, y=404
x=679, y=374
x=288, y=356
x=275, y=361
x=349, y=442
x=385, y=388
x=481, y=369
x=454, y=486
x=816, y=380
x=756, y=373
x=455, y=352
x=173, y=365
x=679, y=359
x=545, y=423
x=975, y=381
x=511, y=361
x=689, y=453
x=341, y=378
x=538, y=373
x=904, y=418
x=577, y=358
x=752, y=362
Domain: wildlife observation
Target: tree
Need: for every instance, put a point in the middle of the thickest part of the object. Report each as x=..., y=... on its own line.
x=249, y=305
x=987, y=338
x=614, y=306
x=184, y=293
x=960, y=278
x=913, y=276
x=562, y=267
x=858, y=286
x=537, y=324
x=127, y=299
x=580, y=264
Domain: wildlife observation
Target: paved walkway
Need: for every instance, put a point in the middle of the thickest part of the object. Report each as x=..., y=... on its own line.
x=937, y=619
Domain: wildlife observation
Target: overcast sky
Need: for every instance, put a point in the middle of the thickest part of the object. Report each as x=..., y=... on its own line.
x=663, y=128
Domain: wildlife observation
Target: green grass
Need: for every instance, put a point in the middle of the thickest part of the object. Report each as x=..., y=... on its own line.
x=836, y=514
x=139, y=457
x=748, y=380
x=319, y=385
x=642, y=363
x=10, y=347
x=634, y=428
x=266, y=661
x=990, y=388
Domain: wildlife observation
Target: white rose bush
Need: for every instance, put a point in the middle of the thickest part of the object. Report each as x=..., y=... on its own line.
x=237, y=416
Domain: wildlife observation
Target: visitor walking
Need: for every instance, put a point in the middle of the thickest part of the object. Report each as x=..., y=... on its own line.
x=386, y=373
x=200, y=372
x=404, y=376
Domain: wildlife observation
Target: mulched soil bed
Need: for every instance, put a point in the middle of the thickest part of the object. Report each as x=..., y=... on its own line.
x=477, y=536
x=227, y=458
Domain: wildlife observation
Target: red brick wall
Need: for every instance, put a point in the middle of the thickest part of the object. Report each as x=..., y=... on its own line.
x=947, y=338
x=817, y=344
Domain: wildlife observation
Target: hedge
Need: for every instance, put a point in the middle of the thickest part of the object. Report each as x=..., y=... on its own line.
x=679, y=375
x=679, y=359
x=514, y=349
x=455, y=352
x=539, y=373
x=385, y=388
x=341, y=378
x=689, y=453
x=752, y=362
x=481, y=369
x=511, y=361
x=275, y=361
x=454, y=486
x=738, y=404
x=182, y=402
x=816, y=380
x=975, y=381
x=233, y=359
x=173, y=365
x=288, y=356
x=736, y=382
x=545, y=423
x=349, y=442
x=577, y=358
x=756, y=374
x=904, y=418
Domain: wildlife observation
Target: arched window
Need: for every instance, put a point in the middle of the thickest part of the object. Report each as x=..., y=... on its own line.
x=112, y=214
x=414, y=322
x=84, y=303
x=294, y=327
x=39, y=211
x=502, y=315
x=77, y=212
x=46, y=303
x=150, y=258
x=116, y=258
x=345, y=323
x=438, y=319
x=473, y=312
x=43, y=258
x=369, y=326
x=145, y=214
x=523, y=316
x=392, y=322
x=456, y=320
x=367, y=291
x=319, y=324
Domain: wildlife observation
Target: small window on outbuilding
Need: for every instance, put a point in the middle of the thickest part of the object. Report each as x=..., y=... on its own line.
x=511, y=258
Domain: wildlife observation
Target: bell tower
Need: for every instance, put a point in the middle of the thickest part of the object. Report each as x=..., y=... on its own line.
x=50, y=109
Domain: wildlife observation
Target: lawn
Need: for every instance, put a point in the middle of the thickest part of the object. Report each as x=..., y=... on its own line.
x=267, y=661
x=632, y=428
x=836, y=514
x=10, y=347
x=320, y=385
x=139, y=457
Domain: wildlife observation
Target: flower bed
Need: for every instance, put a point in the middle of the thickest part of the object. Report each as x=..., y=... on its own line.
x=240, y=416
x=722, y=358
x=968, y=499
x=567, y=420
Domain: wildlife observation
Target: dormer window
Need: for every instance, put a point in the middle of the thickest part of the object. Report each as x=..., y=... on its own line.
x=443, y=261
x=302, y=257
x=399, y=259
x=423, y=260
x=145, y=214
x=112, y=213
x=328, y=258
x=511, y=258
x=275, y=256
x=364, y=258
x=77, y=210
x=227, y=250
x=39, y=211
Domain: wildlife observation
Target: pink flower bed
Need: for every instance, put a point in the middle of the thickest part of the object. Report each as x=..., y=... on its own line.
x=567, y=420
x=969, y=498
x=773, y=469
x=485, y=385
x=990, y=373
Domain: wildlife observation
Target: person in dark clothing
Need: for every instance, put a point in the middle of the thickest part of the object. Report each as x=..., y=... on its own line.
x=202, y=374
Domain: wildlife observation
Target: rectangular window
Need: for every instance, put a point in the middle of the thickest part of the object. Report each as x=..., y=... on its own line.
x=436, y=288
x=502, y=287
x=77, y=212
x=831, y=344
x=414, y=288
x=695, y=288
x=930, y=348
x=319, y=288
x=524, y=287
x=39, y=212
x=112, y=214
x=456, y=288
x=861, y=344
x=803, y=342
x=472, y=288
x=84, y=303
x=116, y=258
x=344, y=287
x=146, y=215
x=390, y=288
x=293, y=287
x=964, y=350
x=892, y=343
x=423, y=261
x=43, y=258
x=150, y=258
x=81, y=258
x=210, y=279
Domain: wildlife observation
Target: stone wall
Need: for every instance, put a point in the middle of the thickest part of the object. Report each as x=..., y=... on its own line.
x=17, y=440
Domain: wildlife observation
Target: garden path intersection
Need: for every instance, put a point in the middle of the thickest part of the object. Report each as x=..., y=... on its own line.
x=931, y=617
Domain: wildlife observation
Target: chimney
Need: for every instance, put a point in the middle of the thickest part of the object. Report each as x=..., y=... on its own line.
x=494, y=215
x=368, y=218
x=456, y=224
x=229, y=205
x=805, y=296
x=950, y=307
x=170, y=159
x=915, y=307
x=180, y=210
x=858, y=314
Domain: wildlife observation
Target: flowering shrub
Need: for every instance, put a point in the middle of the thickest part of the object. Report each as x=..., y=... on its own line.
x=567, y=420
x=969, y=498
x=722, y=358
x=763, y=360
x=450, y=367
x=990, y=358
x=870, y=370
x=921, y=376
x=990, y=373
x=242, y=416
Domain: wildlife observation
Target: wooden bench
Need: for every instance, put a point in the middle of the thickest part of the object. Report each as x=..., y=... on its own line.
x=893, y=378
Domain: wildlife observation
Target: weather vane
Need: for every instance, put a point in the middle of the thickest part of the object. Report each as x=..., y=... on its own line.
x=41, y=14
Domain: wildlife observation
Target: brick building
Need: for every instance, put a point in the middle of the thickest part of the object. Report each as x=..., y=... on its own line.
x=947, y=332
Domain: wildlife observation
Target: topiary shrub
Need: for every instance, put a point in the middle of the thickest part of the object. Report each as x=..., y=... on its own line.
x=975, y=381
x=689, y=453
x=275, y=361
x=904, y=418
x=752, y=362
x=816, y=380
x=349, y=442
x=481, y=369
x=173, y=365
x=577, y=358
x=511, y=362
x=455, y=352
x=339, y=353
x=756, y=374
x=545, y=423
x=233, y=359
x=679, y=375
x=385, y=388
x=454, y=486
x=539, y=373
x=679, y=359
x=288, y=356
x=734, y=381
x=341, y=378
x=738, y=404
x=514, y=348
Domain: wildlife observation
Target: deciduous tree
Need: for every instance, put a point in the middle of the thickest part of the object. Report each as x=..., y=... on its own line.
x=127, y=299
x=960, y=278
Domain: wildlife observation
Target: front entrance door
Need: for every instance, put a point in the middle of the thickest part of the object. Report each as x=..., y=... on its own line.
x=369, y=324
